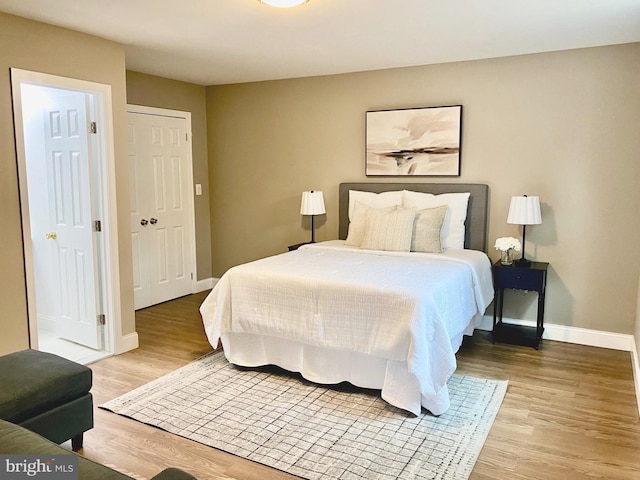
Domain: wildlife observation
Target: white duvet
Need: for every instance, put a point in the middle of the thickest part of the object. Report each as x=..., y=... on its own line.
x=406, y=310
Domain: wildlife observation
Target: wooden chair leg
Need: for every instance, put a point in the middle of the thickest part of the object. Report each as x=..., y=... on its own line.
x=76, y=442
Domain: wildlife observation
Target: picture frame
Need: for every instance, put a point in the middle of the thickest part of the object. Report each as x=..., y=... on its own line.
x=421, y=141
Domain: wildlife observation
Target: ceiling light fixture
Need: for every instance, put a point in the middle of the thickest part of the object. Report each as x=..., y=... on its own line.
x=283, y=3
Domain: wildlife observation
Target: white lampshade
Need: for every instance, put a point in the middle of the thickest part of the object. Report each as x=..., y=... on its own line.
x=312, y=203
x=524, y=210
x=283, y=3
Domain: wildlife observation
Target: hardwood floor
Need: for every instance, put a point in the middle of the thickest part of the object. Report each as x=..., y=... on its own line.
x=570, y=411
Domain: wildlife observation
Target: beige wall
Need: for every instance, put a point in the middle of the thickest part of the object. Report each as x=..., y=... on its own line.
x=152, y=91
x=559, y=125
x=38, y=47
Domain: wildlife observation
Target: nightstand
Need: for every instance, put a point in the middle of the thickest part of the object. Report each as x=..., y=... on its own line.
x=531, y=278
x=296, y=246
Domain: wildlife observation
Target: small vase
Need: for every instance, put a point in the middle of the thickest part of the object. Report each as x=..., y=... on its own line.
x=506, y=257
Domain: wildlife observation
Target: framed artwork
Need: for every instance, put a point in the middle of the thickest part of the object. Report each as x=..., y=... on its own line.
x=414, y=142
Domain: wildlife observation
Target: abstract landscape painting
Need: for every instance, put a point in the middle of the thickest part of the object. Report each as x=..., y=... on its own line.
x=414, y=141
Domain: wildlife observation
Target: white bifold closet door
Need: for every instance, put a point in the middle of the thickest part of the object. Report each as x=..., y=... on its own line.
x=161, y=220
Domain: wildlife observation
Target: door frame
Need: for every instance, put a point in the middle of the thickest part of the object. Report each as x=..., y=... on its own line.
x=108, y=260
x=190, y=207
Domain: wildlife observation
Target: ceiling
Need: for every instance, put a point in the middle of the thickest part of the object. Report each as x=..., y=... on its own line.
x=211, y=42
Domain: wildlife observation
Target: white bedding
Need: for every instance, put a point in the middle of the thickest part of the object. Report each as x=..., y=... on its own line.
x=313, y=309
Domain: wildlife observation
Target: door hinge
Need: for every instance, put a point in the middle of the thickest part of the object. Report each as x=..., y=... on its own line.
x=97, y=226
x=102, y=319
x=93, y=128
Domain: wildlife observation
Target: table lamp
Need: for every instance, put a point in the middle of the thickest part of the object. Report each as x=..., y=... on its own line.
x=524, y=211
x=312, y=204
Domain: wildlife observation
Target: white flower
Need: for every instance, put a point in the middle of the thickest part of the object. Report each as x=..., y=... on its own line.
x=505, y=243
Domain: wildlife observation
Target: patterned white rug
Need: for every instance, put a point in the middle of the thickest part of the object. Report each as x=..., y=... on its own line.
x=314, y=431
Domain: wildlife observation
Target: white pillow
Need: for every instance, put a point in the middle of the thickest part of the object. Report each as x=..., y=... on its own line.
x=358, y=224
x=389, y=230
x=427, y=229
x=453, y=228
x=374, y=200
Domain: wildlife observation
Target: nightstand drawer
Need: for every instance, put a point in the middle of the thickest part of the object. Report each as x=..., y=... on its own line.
x=519, y=278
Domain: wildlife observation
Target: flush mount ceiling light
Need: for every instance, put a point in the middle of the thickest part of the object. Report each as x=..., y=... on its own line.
x=283, y=3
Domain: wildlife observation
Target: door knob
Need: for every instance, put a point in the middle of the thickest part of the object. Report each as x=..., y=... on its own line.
x=153, y=221
x=51, y=236
x=144, y=222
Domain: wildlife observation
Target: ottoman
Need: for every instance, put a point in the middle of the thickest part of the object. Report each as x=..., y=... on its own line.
x=46, y=394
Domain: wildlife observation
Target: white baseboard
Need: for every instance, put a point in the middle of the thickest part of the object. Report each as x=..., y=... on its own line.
x=636, y=373
x=205, y=284
x=46, y=322
x=126, y=343
x=581, y=336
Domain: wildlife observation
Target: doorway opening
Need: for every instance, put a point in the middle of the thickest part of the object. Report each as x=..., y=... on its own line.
x=63, y=146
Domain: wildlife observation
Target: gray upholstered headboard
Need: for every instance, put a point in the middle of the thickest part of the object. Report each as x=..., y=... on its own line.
x=476, y=224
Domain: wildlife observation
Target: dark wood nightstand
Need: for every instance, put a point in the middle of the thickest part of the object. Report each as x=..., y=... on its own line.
x=532, y=278
x=297, y=246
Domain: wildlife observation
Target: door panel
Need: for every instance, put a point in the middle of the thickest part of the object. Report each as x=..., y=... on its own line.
x=139, y=235
x=70, y=212
x=162, y=235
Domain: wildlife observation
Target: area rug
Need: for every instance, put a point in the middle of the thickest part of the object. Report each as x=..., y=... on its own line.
x=314, y=431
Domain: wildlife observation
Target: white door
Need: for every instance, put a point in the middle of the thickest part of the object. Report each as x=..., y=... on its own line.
x=31, y=93
x=162, y=232
x=69, y=180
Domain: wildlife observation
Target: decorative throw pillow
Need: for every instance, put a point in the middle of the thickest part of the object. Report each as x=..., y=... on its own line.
x=453, y=230
x=390, y=231
x=427, y=229
x=358, y=224
x=374, y=200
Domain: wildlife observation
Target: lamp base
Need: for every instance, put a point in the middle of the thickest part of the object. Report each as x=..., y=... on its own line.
x=523, y=262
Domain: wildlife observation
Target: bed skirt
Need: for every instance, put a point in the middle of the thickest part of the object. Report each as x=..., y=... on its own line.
x=321, y=365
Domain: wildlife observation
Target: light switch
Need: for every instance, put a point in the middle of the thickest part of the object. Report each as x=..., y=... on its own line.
x=198, y=189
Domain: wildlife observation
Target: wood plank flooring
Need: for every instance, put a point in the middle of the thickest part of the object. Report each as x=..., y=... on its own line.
x=570, y=411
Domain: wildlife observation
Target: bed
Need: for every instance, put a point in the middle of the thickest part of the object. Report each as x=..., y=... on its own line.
x=366, y=308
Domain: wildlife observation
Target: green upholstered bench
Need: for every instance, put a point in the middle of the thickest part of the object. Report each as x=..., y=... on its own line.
x=17, y=440
x=46, y=394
